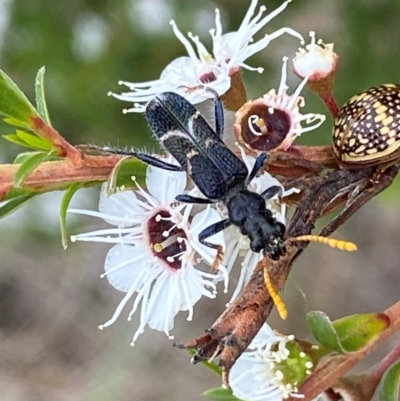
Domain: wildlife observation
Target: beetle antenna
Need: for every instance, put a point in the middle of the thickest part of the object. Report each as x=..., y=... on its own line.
x=280, y=305
x=332, y=242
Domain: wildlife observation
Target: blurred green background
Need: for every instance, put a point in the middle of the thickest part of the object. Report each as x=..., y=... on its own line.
x=52, y=301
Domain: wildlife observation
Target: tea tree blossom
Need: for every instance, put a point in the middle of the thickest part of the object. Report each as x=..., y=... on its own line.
x=271, y=369
x=317, y=60
x=319, y=63
x=204, y=68
x=156, y=253
x=274, y=121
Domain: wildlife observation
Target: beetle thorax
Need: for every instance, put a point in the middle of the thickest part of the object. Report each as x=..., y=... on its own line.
x=247, y=210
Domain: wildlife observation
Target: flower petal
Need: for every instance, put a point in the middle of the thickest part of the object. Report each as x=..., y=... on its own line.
x=164, y=304
x=165, y=185
x=122, y=204
x=126, y=265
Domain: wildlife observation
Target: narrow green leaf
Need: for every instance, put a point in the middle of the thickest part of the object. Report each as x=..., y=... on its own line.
x=357, y=331
x=28, y=166
x=323, y=330
x=14, y=204
x=23, y=157
x=28, y=140
x=13, y=103
x=17, y=123
x=34, y=141
x=389, y=388
x=17, y=192
x=13, y=138
x=40, y=96
x=69, y=193
x=213, y=367
x=220, y=394
x=348, y=334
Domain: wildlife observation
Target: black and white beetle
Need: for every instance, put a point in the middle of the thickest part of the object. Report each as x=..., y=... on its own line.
x=216, y=171
x=220, y=176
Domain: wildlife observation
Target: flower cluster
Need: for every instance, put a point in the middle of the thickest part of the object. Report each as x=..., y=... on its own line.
x=157, y=254
x=272, y=368
x=200, y=67
x=157, y=259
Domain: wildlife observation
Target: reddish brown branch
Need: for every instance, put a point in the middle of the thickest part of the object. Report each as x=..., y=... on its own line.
x=53, y=136
x=59, y=174
x=233, y=331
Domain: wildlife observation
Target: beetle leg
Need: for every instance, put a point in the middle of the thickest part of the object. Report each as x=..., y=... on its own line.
x=155, y=162
x=218, y=107
x=218, y=112
x=192, y=199
x=271, y=192
x=209, y=232
x=261, y=158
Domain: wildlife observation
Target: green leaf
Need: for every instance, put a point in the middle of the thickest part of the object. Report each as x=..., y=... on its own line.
x=389, y=389
x=28, y=140
x=23, y=157
x=17, y=123
x=14, y=204
x=69, y=193
x=13, y=103
x=121, y=176
x=34, y=141
x=40, y=96
x=220, y=394
x=323, y=331
x=28, y=166
x=13, y=138
x=17, y=192
x=348, y=334
x=357, y=331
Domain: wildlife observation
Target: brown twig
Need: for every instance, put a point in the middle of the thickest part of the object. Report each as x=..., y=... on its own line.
x=233, y=331
x=66, y=149
x=55, y=175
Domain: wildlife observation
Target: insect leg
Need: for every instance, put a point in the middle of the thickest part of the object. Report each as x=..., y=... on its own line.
x=192, y=199
x=271, y=192
x=210, y=231
x=218, y=109
x=154, y=161
x=261, y=158
x=218, y=113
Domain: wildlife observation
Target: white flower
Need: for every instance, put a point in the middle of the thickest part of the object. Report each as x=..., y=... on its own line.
x=157, y=250
x=274, y=121
x=201, y=67
x=239, y=245
x=262, y=373
x=317, y=60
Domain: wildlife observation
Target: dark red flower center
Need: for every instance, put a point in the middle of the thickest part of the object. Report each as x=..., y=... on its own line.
x=207, y=78
x=271, y=132
x=167, y=241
